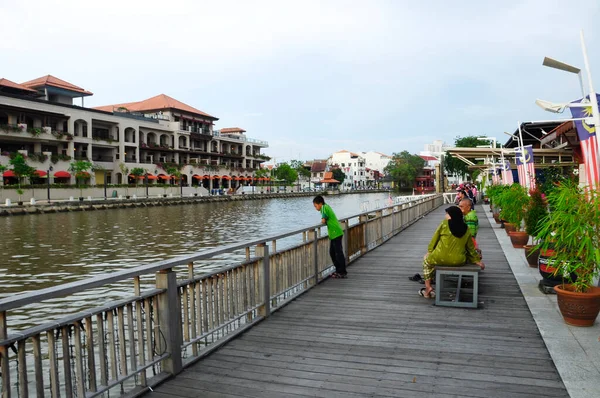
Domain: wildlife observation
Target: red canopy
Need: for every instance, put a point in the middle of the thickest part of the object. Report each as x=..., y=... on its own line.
x=164, y=177
x=40, y=173
x=62, y=174
x=197, y=177
x=9, y=173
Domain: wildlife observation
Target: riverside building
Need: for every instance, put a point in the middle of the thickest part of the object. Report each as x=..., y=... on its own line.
x=160, y=134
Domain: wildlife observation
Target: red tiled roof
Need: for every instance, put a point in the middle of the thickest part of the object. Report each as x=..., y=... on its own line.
x=11, y=84
x=318, y=167
x=156, y=103
x=52, y=81
x=232, y=130
x=352, y=154
x=329, y=178
x=428, y=158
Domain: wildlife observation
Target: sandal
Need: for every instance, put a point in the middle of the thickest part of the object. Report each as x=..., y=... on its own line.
x=339, y=276
x=415, y=278
x=422, y=293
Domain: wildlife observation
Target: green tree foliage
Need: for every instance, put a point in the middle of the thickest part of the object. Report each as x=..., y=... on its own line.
x=298, y=165
x=338, y=174
x=262, y=173
x=456, y=166
x=20, y=167
x=80, y=169
x=286, y=173
x=137, y=172
x=404, y=168
x=549, y=178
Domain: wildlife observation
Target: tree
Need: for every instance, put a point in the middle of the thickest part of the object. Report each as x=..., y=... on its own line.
x=21, y=169
x=137, y=172
x=286, y=173
x=173, y=172
x=456, y=166
x=404, y=168
x=80, y=169
x=338, y=174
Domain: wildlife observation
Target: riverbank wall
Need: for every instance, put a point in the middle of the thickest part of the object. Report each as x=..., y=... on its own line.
x=92, y=204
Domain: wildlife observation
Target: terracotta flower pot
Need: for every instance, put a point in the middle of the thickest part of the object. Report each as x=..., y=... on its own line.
x=518, y=238
x=532, y=255
x=578, y=309
x=496, y=217
x=508, y=227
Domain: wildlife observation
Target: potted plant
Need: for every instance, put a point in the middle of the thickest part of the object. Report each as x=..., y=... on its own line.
x=574, y=227
x=495, y=192
x=515, y=200
x=536, y=211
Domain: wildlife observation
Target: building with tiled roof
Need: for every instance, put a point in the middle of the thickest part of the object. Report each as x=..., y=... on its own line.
x=39, y=119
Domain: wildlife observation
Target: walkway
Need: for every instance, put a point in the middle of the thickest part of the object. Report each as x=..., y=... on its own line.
x=371, y=335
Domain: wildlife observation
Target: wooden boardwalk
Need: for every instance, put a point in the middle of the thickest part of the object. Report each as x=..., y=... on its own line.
x=372, y=335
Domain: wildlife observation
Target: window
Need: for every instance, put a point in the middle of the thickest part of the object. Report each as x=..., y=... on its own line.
x=343, y=165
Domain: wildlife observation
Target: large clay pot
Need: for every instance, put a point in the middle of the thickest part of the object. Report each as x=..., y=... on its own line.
x=496, y=217
x=578, y=309
x=518, y=238
x=508, y=227
x=547, y=270
x=532, y=255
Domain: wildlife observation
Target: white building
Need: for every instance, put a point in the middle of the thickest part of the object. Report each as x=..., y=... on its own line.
x=39, y=120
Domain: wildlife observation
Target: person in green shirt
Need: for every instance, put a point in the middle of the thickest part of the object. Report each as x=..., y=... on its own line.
x=335, y=233
x=451, y=245
x=470, y=216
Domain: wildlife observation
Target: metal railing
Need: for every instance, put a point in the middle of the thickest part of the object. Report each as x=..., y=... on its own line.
x=177, y=312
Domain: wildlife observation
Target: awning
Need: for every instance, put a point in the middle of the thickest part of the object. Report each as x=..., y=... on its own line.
x=216, y=177
x=40, y=173
x=164, y=177
x=62, y=174
x=206, y=177
x=237, y=178
x=9, y=173
x=197, y=177
x=152, y=177
x=226, y=178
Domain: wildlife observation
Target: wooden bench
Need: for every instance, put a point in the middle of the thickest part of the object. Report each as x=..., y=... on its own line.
x=450, y=285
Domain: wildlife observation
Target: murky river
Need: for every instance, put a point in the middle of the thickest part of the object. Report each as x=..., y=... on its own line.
x=46, y=250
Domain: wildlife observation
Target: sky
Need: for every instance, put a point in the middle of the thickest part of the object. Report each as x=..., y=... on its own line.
x=315, y=77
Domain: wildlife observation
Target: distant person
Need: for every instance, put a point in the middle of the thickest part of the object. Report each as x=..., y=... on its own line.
x=335, y=233
x=451, y=246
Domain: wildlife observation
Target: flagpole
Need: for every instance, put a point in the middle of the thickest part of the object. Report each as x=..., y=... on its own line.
x=593, y=98
x=523, y=156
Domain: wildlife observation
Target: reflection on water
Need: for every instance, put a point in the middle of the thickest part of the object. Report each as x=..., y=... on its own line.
x=49, y=249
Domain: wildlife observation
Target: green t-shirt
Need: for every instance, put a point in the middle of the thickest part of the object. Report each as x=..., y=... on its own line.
x=334, y=229
x=472, y=222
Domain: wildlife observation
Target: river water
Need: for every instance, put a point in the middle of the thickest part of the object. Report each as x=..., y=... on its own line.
x=45, y=250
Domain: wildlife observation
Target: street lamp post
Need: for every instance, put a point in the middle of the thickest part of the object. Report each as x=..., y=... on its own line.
x=181, y=185
x=48, y=181
x=105, y=183
x=146, y=182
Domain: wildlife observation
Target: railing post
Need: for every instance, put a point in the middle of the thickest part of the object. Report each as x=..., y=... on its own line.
x=345, y=241
x=363, y=221
x=379, y=216
x=4, y=357
x=312, y=235
x=169, y=307
x=262, y=250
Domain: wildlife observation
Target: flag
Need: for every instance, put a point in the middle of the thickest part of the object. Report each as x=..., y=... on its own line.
x=494, y=176
x=507, y=176
x=525, y=166
x=588, y=143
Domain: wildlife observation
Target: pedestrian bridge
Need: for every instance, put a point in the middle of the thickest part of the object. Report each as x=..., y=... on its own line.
x=274, y=325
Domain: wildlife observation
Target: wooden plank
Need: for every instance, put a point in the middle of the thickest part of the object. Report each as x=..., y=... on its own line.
x=372, y=335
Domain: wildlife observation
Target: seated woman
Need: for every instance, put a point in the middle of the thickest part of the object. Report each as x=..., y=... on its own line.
x=451, y=245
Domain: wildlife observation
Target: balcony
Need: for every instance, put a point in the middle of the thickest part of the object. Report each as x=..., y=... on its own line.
x=102, y=158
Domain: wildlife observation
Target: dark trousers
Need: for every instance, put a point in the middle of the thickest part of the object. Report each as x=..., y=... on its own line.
x=336, y=251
